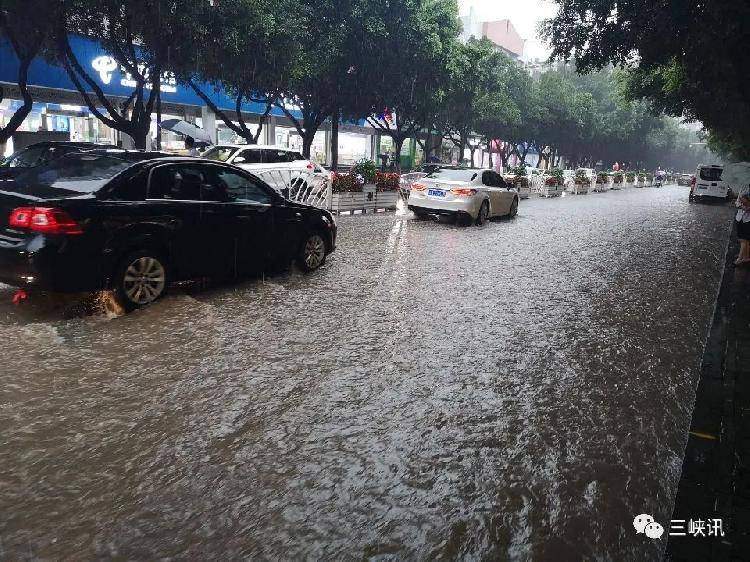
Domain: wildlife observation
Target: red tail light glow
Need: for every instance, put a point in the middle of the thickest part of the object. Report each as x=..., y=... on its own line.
x=44, y=219
x=463, y=191
x=418, y=186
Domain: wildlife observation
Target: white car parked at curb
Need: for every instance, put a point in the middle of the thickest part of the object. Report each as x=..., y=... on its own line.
x=468, y=194
x=278, y=166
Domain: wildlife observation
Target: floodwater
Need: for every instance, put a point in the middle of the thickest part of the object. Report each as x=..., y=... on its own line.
x=517, y=391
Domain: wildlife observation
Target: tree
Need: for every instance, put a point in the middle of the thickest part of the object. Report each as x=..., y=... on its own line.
x=324, y=78
x=409, y=71
x=480, y=96
x=246, y=50
x=19, y=26
x=686, y=57
x=144, y=39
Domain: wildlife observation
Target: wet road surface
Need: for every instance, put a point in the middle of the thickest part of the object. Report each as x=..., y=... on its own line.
x=516, y=391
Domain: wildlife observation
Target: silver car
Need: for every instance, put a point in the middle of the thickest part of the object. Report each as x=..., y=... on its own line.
x=471, y=195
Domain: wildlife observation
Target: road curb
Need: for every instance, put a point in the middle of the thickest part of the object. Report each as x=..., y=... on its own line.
x=715, y=480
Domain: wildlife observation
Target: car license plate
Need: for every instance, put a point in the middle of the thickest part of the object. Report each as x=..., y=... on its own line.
x=436, y=192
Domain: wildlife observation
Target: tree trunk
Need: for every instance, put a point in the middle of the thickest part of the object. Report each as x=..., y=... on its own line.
x=489, y=151
x=335, y=140
x=472, y=150
x=307, y=140
x=398, y=143
x=158, y=120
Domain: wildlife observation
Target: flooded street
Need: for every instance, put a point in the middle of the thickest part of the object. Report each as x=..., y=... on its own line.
x=516, y=391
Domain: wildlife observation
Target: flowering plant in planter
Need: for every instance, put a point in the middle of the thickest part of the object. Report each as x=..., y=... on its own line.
x=387, y=181
x=641, y=176
x=581, y=178
x=343, y=183
x=630, y=177
x=555, y=177
x=365, y=168
x=602, y=177
x=617, y=177
x=518, y=176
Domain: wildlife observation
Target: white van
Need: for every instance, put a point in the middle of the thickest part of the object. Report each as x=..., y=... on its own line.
x=707, y=183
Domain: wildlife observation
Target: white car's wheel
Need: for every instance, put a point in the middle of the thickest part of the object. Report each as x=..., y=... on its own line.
x=484, y=213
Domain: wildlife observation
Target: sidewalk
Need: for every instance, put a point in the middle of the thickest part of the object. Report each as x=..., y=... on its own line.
x=715, y=479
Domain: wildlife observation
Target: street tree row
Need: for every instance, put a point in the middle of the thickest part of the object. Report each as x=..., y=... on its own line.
x=397, y=64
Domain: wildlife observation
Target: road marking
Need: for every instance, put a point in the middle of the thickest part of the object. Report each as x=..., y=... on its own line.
x=703, y=435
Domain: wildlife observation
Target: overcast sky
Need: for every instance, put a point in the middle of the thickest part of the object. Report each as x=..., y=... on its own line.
x=524, y=14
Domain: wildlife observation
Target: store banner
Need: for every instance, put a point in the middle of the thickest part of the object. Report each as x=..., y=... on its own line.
x=113, y=80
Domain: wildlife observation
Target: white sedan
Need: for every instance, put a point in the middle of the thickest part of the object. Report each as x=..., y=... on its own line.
x=469, y=194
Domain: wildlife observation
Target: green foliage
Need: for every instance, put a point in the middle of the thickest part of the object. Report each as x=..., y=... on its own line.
x=581, y=177
x=518, y=171
x=687, y=58
x=366, y=168
x=557, y=174
x=630, y=177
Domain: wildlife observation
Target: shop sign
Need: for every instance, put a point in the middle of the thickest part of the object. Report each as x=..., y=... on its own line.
x=106, y=66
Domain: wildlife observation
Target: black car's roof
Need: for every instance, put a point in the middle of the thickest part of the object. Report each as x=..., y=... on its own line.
x=130, y=155
x=81, y=144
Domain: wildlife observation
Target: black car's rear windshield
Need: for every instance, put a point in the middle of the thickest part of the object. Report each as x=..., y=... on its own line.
x=82, y=173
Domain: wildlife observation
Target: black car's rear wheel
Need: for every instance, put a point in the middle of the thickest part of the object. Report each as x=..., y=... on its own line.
x=313, y=252
x=140, y=279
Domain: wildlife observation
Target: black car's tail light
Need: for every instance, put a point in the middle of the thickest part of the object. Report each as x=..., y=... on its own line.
x=48, y=220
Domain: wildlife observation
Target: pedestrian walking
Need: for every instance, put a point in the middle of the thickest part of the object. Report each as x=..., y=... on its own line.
x=743, y=226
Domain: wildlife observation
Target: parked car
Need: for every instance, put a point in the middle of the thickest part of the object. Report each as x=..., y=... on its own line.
x=38, y=154
x=684, y=179
x=707, y=184
x=468, y=194
x=86, y=222
x=290, y=165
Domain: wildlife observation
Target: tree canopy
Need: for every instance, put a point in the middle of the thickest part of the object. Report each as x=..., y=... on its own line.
x=687, y=58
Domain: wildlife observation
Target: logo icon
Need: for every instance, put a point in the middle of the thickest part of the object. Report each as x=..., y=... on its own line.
x=654, y=530
x=104, y=65
x=645, y=524
x=641, y=521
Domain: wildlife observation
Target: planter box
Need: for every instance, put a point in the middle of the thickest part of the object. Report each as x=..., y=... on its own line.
x=369, y=192
x=550, y=190
x=347, y=201
x=386, y=199
x=581, y=188
x=366, y=200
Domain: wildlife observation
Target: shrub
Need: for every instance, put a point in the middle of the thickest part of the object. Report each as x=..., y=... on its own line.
x=365, y=168
x=556, y=175
x=581, y=177
x=602, y=177
x=343, y=183
x=630, y=176
x=617, y=177
x=387, y=181
x=518, y=171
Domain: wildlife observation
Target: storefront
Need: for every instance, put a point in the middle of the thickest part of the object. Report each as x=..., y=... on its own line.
x=59, y=107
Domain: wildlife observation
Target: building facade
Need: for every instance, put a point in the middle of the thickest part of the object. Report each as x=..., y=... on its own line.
x=58, y=106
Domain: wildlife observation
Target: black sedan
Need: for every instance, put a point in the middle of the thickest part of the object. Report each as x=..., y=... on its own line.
x=92, y=221
x=40, y=153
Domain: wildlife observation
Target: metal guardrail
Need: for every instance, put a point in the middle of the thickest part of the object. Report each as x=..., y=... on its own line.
x=301, y=186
